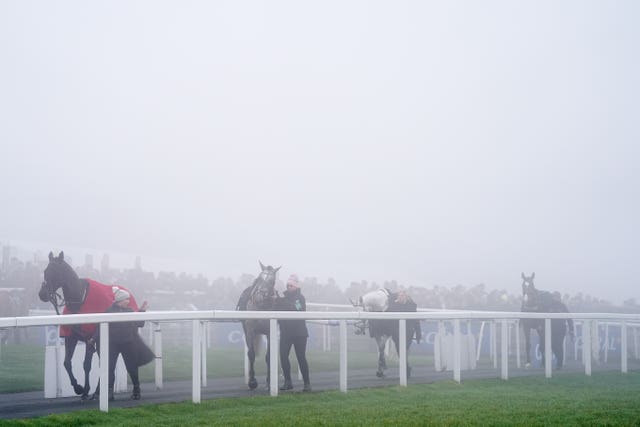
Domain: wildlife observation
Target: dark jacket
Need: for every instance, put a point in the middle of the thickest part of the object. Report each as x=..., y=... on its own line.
x=120, y=332
x=292, y=301
x=126, y=334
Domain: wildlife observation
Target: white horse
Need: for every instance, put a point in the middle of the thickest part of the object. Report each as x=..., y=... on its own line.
x=381, y=330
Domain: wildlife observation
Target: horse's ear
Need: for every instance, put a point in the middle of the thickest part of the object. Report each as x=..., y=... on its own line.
x=533, y=275
x=50, y=256
x=276, y=270
x=261, y=265
x=61, y=256
x=522, y=274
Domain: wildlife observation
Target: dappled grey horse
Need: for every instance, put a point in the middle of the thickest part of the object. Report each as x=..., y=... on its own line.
x=381, y=329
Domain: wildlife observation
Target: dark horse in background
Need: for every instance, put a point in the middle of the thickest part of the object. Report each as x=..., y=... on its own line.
x=78, y=296
x=382, y=329
x=259, y=296
x=537, y=301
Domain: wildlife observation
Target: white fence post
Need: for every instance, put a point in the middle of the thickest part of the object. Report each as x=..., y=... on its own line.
x=402, y=350
x=606, y=342
x=343, y=356
x=273, y=356
x=504, y=341
x=480, y=337
x=456, y=350
x=104, y=367
x=494, y=345
x=586, y=346
x=623, y=346
x=548, y=356
x=203, y=349
x=437, y=347
x=577, y=338
x=517, y=334
x=196, y=363
x=157, y=346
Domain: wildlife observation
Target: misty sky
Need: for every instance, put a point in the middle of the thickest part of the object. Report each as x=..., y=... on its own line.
x=434, y=143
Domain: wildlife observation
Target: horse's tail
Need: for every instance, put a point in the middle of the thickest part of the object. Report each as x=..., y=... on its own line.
x=562, y=307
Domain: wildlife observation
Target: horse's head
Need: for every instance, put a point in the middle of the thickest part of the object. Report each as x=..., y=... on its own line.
x=58, y=274
x=264, y=287
x=529, y=293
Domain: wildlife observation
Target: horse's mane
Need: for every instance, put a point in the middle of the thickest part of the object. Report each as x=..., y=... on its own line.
x=409, y=305
x=245, y=296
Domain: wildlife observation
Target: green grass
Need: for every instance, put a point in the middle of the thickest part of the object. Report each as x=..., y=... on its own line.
x=22, y=366
x=605, y=399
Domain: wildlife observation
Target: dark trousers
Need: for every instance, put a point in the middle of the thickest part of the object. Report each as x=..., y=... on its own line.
x=300, y=346
x=129, y=357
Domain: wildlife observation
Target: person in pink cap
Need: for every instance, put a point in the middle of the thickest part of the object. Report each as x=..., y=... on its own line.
x=293, y=333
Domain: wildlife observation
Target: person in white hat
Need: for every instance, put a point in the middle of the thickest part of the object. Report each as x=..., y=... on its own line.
x=293, y=333
x=124, y=339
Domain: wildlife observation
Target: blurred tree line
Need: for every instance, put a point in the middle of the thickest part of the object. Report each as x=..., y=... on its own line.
x=181, y=291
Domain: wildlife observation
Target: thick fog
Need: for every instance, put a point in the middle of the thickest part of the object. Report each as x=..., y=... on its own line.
x=432, y=143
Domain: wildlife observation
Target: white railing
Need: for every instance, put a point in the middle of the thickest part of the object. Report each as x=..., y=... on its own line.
x=199, y=317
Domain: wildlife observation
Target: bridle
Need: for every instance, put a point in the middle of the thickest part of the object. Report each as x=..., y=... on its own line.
x=262, y=292
x=57, y=299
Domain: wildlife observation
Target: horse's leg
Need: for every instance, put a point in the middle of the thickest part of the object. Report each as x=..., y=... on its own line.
x=70, y=343
x=558, y=351
x=382, y=364
x=558, y=332
x=527, y=343
x=88, y=358
x=396, y=343
x=96, y=393
x=251, y=355
x=409, y=339
x=267, y=360
x=541, y=336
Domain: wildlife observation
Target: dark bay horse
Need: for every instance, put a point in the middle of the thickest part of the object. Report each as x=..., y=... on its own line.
x=538, y=301
x=259, y=296
x=529, y=324
x=381, y=329
x=78, y=296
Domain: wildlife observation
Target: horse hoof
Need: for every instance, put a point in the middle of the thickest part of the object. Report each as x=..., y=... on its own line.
x=380, y=374
x=253, y=384
x=78, y=390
